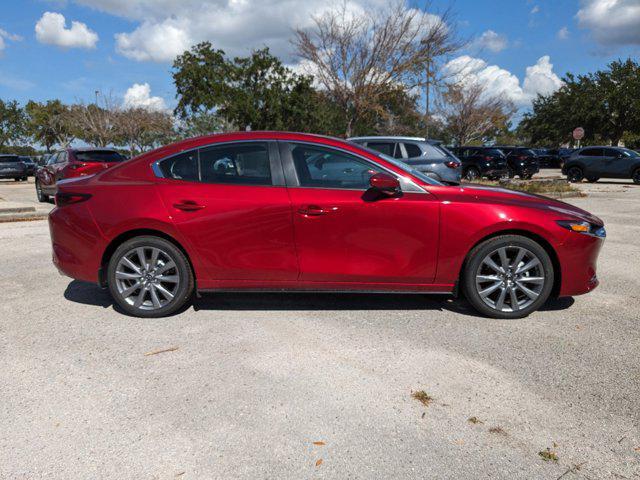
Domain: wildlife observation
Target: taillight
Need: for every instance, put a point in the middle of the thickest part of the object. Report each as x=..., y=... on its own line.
x=488, y=158
x=522, y=157
x=63, y=198
x=453, y=164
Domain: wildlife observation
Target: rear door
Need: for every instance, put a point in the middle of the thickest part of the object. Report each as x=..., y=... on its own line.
x=615, y=164
x=344, y=234
x=593, y=160
x=389, y=148
x=230, y=201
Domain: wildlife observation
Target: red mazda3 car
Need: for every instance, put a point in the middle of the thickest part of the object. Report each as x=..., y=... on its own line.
x=275, y=211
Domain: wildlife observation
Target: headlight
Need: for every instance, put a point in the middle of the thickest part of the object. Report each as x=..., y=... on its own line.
x=583, y=227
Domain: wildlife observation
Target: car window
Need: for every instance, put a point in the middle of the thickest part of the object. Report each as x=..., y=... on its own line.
x=328, y=168
x=383, y=147
x=591, y=152
x=238, y=164
x=9, y=159
x=629, y=153
x=52, y=159
x=413, y=150
x=100, y=156
x=62, y=157
x=183, y=166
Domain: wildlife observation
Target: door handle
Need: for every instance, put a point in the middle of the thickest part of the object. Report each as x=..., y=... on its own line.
x=188, y=206
x=312, y=211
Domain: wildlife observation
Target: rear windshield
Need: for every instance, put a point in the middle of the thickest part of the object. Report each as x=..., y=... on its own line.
x=9, y=159
x=106, y=156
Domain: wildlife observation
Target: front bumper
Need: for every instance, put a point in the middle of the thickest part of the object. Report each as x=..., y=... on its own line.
x=578, y=256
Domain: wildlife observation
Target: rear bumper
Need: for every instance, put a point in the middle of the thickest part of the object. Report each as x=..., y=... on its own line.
x=578, y=257
x=76, y=242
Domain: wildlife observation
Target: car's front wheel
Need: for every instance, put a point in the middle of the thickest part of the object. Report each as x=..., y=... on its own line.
x=471, y=174
x=42, y=197
x=508, y=277
x=575, y=174
x=150, y=277
x=636, y=176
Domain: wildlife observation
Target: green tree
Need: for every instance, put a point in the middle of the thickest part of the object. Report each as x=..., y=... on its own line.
x=605, y=103
x=12, y=123
x=256, y=92
x=49, y=123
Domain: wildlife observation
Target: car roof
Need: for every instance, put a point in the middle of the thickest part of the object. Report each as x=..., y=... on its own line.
x=391, y=138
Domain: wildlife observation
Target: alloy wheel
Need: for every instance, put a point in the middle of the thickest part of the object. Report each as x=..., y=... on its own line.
x=147, y=278
x=636, y=176
x=510, y=278
x=575, y=174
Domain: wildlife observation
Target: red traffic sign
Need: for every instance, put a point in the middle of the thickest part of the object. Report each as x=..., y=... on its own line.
x=578, y=133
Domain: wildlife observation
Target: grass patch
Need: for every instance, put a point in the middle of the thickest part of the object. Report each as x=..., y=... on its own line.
x=548, y=455
x=423, y=397
x=552, y=188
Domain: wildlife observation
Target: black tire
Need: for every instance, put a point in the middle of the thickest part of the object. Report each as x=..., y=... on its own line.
x=511, y=173
x=575, y=174
x=636, y=176
x=471, y=174
x=474, y=265
x=526, y=177
x=42, y=198
x=185, y=288
x=593, y=179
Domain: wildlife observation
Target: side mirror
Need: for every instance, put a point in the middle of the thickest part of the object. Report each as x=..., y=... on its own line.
x=385, y=183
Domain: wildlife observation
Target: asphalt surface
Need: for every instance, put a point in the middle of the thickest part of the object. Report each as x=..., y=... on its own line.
x=254, y=379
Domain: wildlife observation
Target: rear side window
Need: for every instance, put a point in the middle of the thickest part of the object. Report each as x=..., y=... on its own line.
x=9, y=159
x=245, y=164
x=413, y=150
x=591, y=152
x=183, y=166
x=434, y=152
x=383, y=147
x=101, y=156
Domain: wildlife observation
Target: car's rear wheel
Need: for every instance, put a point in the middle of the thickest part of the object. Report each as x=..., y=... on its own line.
x=471, y=174
x=575, y=174
x=150, y=277
x=636, y=176
x=593, y=179
x=508, y=277
x=43, y=198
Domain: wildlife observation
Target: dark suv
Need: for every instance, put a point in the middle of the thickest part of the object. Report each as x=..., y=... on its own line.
x=521, y=161
x=594, y=163
x=12, y=167
x=478, y=162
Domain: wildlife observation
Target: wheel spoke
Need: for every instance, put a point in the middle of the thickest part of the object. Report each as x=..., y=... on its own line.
x=127, y=292
x=488, y=278
x=166, y=293
x=529, y=293
x=534, y=262
x=131, y=265
x=500, y=301
x=154, y=297
x=141, y=258
x=518, y=259
x=168, y=278
x=504, y=259
x=140, y=298
x=167, y=266
x=153, y=263
x=489, y=290
x=514, y=299
x=493, y=265
x=531, y=279
x=127, y=276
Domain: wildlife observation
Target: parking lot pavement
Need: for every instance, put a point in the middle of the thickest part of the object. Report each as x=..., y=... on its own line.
x=21, y=196
x=254, y=379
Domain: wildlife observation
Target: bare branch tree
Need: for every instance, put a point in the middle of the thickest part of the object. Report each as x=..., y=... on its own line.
x=357, y=58
x=471, y=113
x=96, y=122
x=141, y=129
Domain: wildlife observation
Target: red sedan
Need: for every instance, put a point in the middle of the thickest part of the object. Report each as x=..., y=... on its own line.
x=274, y=211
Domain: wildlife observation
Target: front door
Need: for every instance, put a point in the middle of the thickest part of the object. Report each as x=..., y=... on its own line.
x=235, y=212
x=345, y=233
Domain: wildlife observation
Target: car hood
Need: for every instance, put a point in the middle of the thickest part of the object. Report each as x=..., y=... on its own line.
x=485, y=194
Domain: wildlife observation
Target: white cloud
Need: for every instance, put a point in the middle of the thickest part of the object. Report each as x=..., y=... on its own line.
x=4, y=36
x=563, y=33
x=535, y=9
x=611, y=22
x=539, y=78
x=492, y=41
x=139, y=96
x=167, y=28
x=51, y=29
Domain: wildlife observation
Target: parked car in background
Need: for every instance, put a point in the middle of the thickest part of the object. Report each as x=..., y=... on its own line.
x=594, y=163
x=521, y=161
x=30, y=164
x=12, y=167
x=424, y=155
x=548, y=157
x=73, y=162
x=479, y=162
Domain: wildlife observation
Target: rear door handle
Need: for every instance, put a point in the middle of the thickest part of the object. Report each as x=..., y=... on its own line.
x=188, y=206
x=312, y=211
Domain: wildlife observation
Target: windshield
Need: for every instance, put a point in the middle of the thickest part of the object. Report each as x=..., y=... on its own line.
x=106, y=156
x=629, y=153
x=403, y=166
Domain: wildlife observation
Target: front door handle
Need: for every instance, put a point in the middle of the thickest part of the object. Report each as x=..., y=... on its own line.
x=312, y=211
x=188, y=206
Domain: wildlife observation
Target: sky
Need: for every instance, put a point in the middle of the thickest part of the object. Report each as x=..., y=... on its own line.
x=68, y=49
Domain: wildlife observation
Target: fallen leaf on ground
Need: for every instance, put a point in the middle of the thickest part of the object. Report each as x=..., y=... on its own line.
x=319, y=443
x=156, y=352
x=474, y=420
x=423, y=397
x=179, y=474
x=497, y=430
x=319, y=462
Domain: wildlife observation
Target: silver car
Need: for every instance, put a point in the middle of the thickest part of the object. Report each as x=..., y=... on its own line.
x=424, y=155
